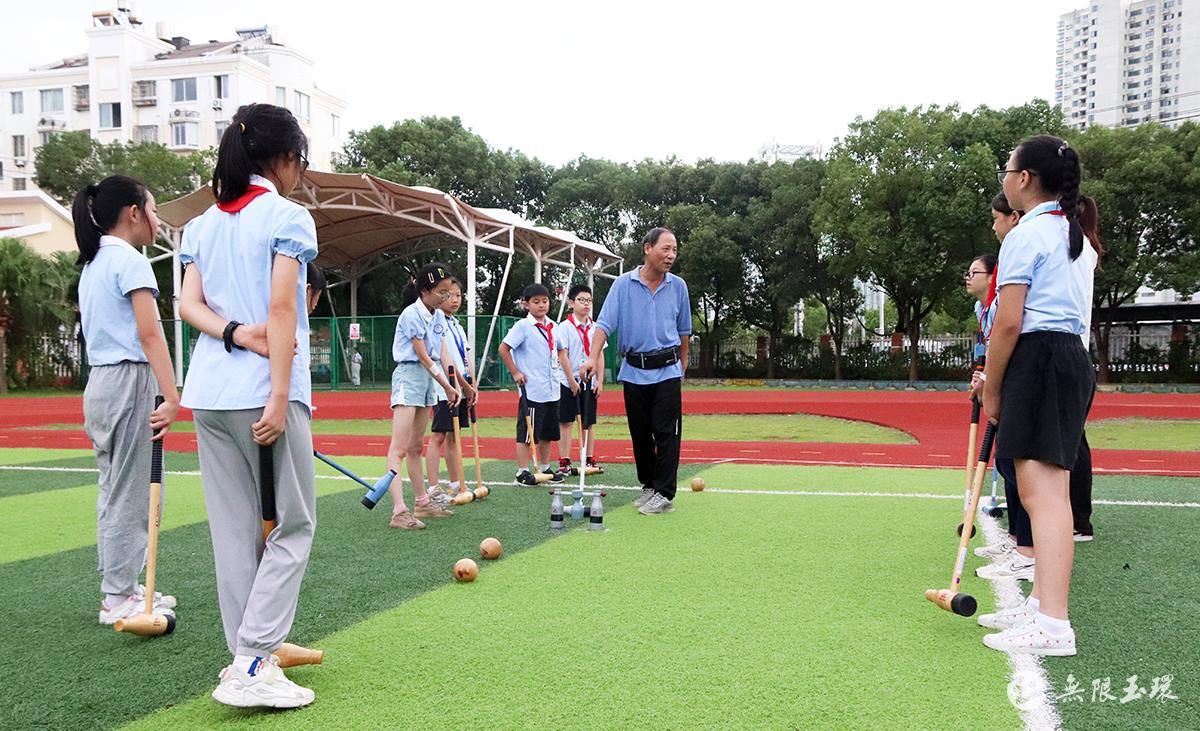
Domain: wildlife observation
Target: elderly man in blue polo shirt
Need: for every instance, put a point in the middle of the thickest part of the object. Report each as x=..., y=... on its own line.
x=650, y=311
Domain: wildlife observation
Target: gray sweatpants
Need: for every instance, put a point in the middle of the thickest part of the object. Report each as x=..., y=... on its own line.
x=116, y=413
x=258, y=585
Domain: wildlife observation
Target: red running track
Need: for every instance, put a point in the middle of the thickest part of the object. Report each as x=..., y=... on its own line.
x=936, y=420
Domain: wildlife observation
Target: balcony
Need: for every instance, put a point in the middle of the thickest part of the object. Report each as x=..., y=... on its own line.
x=51, y=125
x=145, y=93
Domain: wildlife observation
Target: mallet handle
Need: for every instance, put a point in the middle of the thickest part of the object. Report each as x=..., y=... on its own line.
x=156, y=478
x=266, y=487
x=454, y=412
x=985, y=454
x=343, y=470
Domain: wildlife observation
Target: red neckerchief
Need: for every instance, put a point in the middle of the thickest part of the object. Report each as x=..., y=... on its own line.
x=547, y=332
x=237, y=204
x=583, y=331
x=991, y=297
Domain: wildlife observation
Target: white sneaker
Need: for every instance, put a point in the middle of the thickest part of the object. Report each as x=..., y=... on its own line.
x=1031, y=639
x=252, y=682
x=997, y=550
x=657, y=504
x=647, y=493
x=160, y=599
x=1007, y=618
x=1018, y=567
x=132, y=606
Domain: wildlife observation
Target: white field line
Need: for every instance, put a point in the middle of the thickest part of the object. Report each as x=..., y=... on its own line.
x=1029, y=687
x=732, y=491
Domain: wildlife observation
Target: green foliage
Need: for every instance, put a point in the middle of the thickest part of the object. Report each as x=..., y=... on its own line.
x=72, y=160
x=36, y=296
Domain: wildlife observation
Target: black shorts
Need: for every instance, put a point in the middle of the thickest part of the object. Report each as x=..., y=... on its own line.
x=443, y=422
x=1044, y=399
x=545, y=421
x=569, y=406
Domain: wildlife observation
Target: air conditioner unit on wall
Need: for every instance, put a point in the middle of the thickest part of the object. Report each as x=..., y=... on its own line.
x=217, y=104
x=19, y=162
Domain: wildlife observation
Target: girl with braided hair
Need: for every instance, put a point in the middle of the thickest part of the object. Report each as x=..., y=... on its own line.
x=1039, y=379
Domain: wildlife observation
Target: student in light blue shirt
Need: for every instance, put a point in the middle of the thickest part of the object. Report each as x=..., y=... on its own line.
x=249, y=388
x=129, y=364
x=650, y=311
x=442, y=437
x=1039, y=379
x=420, y=352
x=530, y=352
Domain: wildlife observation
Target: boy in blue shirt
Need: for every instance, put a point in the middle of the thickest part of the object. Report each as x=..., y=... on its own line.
x=533, y=356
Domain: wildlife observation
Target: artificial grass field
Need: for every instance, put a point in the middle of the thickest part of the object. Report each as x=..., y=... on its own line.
x=701, y=427
x=739, y=610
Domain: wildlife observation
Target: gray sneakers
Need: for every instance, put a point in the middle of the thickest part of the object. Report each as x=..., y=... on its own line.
x=647, y=493
x=656, y=504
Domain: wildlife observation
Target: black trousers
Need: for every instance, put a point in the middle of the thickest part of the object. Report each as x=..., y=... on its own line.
x=655, y=416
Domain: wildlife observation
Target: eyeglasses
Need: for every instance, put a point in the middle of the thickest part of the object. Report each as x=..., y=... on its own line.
x=971, y=273
x=1001, y=172
x=303, y=162
x=583, y=300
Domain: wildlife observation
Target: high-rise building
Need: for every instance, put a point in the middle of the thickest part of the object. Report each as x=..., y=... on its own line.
x=1123, y=63
x=135, y=86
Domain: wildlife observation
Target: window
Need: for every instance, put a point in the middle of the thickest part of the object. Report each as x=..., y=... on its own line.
x=222, y=125
x=18, y=102
x=336, y=124
x=82, y=96
x=185, y=134
x=281, y=96
x=1, y=178
x=44, y=137
x=303, y=105
x=221, y=86
x=110, y=115
x=18, y=183
x=12, y=220
x=144, y=133
x=18, y=145
x=183, y=90
x=52, y=100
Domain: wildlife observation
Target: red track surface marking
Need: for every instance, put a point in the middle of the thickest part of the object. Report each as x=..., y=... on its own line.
x=936, y=420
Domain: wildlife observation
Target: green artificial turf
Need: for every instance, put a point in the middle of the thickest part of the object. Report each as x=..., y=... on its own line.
x=735, y=611
x=701, y=427
x=1179, y=435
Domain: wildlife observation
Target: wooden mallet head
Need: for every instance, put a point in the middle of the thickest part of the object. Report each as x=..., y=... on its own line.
x=292, y=655
x=147, y=625
x=958, y=602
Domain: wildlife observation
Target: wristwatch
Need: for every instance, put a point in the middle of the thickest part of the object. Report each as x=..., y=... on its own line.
x=227, y=336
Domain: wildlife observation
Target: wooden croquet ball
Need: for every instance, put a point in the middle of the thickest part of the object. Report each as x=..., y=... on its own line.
x=466, y=570
x=490, y=549
x=698, y=484
x=482, y=492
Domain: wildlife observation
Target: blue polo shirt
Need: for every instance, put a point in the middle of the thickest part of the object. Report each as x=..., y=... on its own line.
x=1036, y=253
x=646, y=321
x=534, y=357
x=235, y=253
x=417, y=321
x=105, y=288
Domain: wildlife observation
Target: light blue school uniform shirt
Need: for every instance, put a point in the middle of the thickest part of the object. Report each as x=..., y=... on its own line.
x=1036, y=253
x=105, y=307
x=417, y=321
x=460, y=351
x=646, y=321
x=569, y=334
x=534, y=357
x=235, y=253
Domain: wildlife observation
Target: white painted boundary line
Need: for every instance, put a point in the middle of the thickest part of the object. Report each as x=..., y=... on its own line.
x=1029, y=687
x=568, y=486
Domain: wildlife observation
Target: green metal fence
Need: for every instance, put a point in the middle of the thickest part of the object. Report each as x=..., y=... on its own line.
x=332, y=351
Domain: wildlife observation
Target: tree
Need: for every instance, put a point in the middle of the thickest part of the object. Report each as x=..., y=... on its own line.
x=71, y=160
x=34, y=298
x=711, y=262
x=910, y=209
x=1146, y=187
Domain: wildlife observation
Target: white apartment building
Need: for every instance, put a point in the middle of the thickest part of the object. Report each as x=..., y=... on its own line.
x=133, y=85
x=1123, y=63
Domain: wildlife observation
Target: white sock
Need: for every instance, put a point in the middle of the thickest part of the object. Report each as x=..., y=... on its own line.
x=1058, y=628
x=1033, y=604
x=243, y=663
x=523, y=471
x=112, y=600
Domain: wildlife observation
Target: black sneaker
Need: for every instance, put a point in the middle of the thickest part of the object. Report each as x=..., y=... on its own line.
x=525, y=477
x=1083, y=535
x=556, y=477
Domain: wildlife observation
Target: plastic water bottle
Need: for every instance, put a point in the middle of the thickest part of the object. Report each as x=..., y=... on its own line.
x=556, y=511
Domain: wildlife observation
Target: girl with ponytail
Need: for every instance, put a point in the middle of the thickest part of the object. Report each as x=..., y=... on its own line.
x=129, y=365
x=1038, y=381
x=250, y=390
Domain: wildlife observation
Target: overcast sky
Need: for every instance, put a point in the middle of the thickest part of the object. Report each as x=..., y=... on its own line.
x=616, y=79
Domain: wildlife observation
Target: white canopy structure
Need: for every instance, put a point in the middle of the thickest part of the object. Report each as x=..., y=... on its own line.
x=360, y=218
